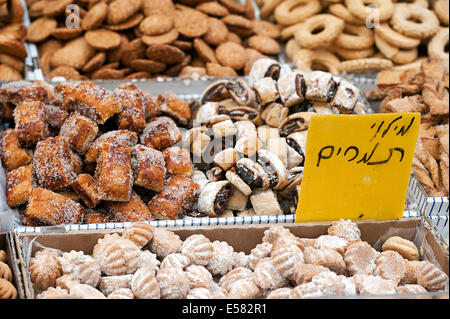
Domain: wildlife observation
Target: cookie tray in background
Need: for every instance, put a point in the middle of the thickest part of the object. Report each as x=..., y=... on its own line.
x=244, y=238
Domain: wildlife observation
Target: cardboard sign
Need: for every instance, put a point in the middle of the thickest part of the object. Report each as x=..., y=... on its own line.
x=357, y=166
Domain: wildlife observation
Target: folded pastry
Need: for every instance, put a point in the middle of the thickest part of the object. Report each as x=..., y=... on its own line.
x=84, y=186
x=237, y=200
x=263, y=68
x=48, y=208
x=121, y=137
x=89, y=100
x=132, y=211
x=175, y=107
x=12, y=155
x=226, y=158
x=80, y=131
x=160, y=133
x=241, y=93
x=95, y=217
x=274, y=114
x=55, y=116
x=178, y=161
x=176, y=199
x=274, y=167
x=113, y=174
x=19, y=185
x=265, y=203
x=320, y=86
x=52, y=163
x=149, y=167
x=295, y=123
x=292, y=88
x=345, y=98
x=132, y=116
x=17, y=92
x=278, y=147
x=213, y=198
x=266, y=91
x=149, y=103
x=29, y=119
x=253, y=174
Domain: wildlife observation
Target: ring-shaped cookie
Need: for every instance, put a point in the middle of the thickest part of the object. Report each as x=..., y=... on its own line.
x=329, y=28
x=294, y=11
x=383, y=9
x=268, y=8
x=306, y=60
x=387, y=49
x=441, y=10
x=341, y=11
x=367, y=65
x=395, y=38
x=289, y=31
x=291, y=48
x=355, y=37
x=402, y=21
x=405, y=56
x=347, y=54
x=436, y=47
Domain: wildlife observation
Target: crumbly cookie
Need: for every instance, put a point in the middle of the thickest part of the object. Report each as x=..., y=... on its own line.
x=232, y=55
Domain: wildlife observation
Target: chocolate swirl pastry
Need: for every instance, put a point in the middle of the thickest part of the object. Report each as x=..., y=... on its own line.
x=295, y=123
x=320, y=86
x=215, y=92
x=345, y=98
x=253, y=174
x=292, y=88
x=264, y=68
x=241, y=93
x=274, y=167
x=213, y=198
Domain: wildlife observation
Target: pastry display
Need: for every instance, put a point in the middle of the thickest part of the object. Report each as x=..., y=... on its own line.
x=149, y=38
x=424, y=90
x=355, y=36
x=277, y=270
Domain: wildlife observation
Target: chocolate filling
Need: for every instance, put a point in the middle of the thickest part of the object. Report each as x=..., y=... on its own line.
x=300, y=85
x=221, y=201
x=271, y=173
x=332, y=91
x=292, y=143
x=248, y=176
x=273, y=71
x=238, y=92
x=215, y=94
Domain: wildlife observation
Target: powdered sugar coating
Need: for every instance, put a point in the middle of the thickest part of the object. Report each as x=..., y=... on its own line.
x=345, y=229
x=177, y=260
x=236, y=274
x=165, y=242
x=267, y=276
x=260, y=251
x=119, y=257
x=286, y=258
x=199, y=293
x=53, y=293
x=244, y=289
x=199, y=277
x=139, y=233
x=122, y=293
x=149, y=260
x=83, y=267
x=280, y=293
x=109, y=284
x=198, y=248
x=334, y=242
x=173, y=283
x=360, y=259
x=326, y=257
x=144, y=284
x=240, y=259
x=390, y=265
x=222, y=259
x=273, y=233
x=86, y=292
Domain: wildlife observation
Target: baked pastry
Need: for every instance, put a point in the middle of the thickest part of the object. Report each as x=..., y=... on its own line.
x=178, y=161
x=5, y=271
x=116, y=256
x=199, y=277
x=173, y=106
x=18, y=185
x=13, y=156
x=80, y=131
x=213, y=198
x=149, y=167
x=139, y=233
x=45, y=268
x=176, y=260
x=109, y=284
x=165, y=242
x=285, y=258
x=267, y=275
x=404, y=247
x=66, y=282
x=304, y=273
x=360, y=259
x=122, y=293
x=121, y=137
x=390, y=265
x=345, y=229
x=374, y=285
x=244, y=289
x=199, y=293
x=236, y=274
x=326, y=257
x=262, y=250
x=29, y=119
x=132, y=116
x=222, y=259
x=132, y=211
x=160, y=133
x=431, y=277
x=198, y=248
x=334, y=242
x=173, y=283
x=53, y=293
x=144, y=284
x=148, y=259
x=85, y=292
x=7, y=290
x=83, y=185
x=83, y=267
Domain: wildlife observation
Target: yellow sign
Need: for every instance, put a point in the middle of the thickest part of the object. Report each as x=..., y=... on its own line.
x=357, y=166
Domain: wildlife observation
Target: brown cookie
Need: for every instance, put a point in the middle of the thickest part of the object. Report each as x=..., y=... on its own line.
x=41, y=29
x=8, y=73
x=165, y=53
x=95, y=63
x=165, y=38
x=45, y=62
x=55, y=8
x=131, y=51
x=213, y=8
x=95, y=16
x=107, y=74
x=16, y=31
x=150, y=7
x=66, y=33
x=182, y=45
x=217, y=70
x=176, y=68
x=192, y=72
x=115, y=55
x=12, y=61
x=128, y=24
x=234, y=6
x=138, y=75
x=264, y=44
x=147, y=65
x=266, y=28
x=156, y=24
x=67, y=72
x=233, y=37
x=252, y=56
x=231, y=54
x=217, y=32
x=75, y=53
x=204, y=51
x=36, y=9
x=191, y=23
x=102, y=39
x=121, y=10
x=234, y=20
x=50, y=45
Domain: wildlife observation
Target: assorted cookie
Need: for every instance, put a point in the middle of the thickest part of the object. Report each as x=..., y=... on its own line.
x=7, y=288
x=283, y=266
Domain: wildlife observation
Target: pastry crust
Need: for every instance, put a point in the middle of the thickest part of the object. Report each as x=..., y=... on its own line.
x=19, y=185
x=149, y=168
x=80, y=131
x=178, y=161
x=132, y=116
x=176, y=108
x=131, y=211
x=160, y=133
x=84, y=186
x=29, y=122
x=121, y=137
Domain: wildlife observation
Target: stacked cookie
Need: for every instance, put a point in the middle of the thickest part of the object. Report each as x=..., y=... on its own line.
x=154, y=263
x=7, y=289
x=125, y=39
x=350, y=36
x=12, y=36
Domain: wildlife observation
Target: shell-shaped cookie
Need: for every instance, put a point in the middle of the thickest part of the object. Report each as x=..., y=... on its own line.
x=165, y=242
x=304, y=273
x=280, y=293
x=199, y=293
x=120, y=257
x=122, y=293
x=334, y=242
x=244, y=289
x=236, y=274
x=410, y=276
x=345, y=229
x=148, y=259
x=330, y=284
x=139, y=233
x=390, y=265
x=360, y=259
x=84, y=267
x=267, y=276
x=260, y=251
x=5, y=271
x=198, y=248
x=67, y=260
x=288, y=240
x=144, y=284
x=273, y=233
x=240, y=259
x=326, y=257
x=286, y=258
x=219, y=293
x=108, y=284
x=404, y=247
x=374, y=285
x=411, y=289
x=431, y=277
x=7, y=290
x=53, y=293
x=175, y=261
x=222, y=260
x=308, y=290
x=199, y=277
x=173, y=283
x=44, y=270
x=67, y=281
x=102, y=244
x=86, y=292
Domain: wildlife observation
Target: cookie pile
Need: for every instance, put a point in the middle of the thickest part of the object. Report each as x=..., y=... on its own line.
x=127, y=39
x=7, y=289
x=425, y=91
x=12, y=37
x=355, y=36
x=152, y=263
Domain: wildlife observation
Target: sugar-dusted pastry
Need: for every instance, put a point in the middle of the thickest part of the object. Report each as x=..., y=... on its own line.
x=345, y=229
x=178, y=196
x=48, y=208
x=176, y=260
x=113, y=174
x=139, y=233
x=149, y=260
x=213, y=198
x=244, y=289
x=236, y=274
x=55, y=116
x=149, y=167
x=222, y=259
x=86, y=292
x=165, y=242
x=273, y=233
x=19, y=185
x=116, y=256
x=144, y=284
x=318, y=85
x=260, y=251
x=280, y=293
x=323, y=284
x=266, y=91
x=286, y=258
x=30, y=124
x=199, y=293
x=53, y=293
x=133, y=210
x=108, y=284
x=17, y=92
x=404, y=247
x=80, y=131
x=267, y=276
x=121, y=137
x=360, y=259
x=178, y=161
x=326, y=257
x=241, y=259
x=391, y=265
x=122, y=293
x=265, y=202
x=198, y=248
x=89, y=99
x=160, y=133
x=410, y=276
x=52, y=163
x=13, y=156
x=199, y=277
x=411, y=289
x=219, y=293
x=334, y=242
x=95, y=217
x=83, y=185
x=83, y=267
x=175, y=107
x=5, y=271
x=173, y=283
x=45, y=268
x=7, y=290
x=304, y=273
x=345, y=98
x=431, y=277
x=67, y=281
x=374, y=285
x=149, y=103
x=132, y=116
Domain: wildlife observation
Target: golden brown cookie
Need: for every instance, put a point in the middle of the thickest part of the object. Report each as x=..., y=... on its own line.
x=156, y=24
x=102, y=39
x=204, y=50
x=217, y=70
x=191, y=23
x=95, y=16
x=232, y=55
x=165, y=53
x=41, y=29
x=404, y=247
x=264, y=44
x=217, y=32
